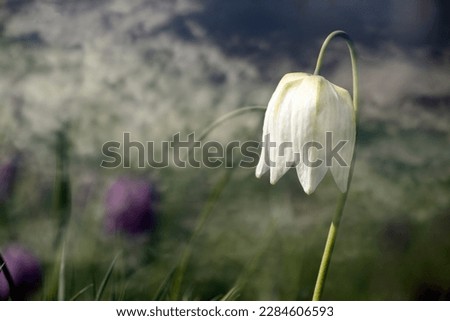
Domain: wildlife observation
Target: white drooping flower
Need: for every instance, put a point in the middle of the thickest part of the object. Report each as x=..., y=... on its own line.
x=310, y=124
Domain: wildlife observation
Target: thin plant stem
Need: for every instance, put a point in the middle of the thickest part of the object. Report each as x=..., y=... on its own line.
x=212, y=199
x=251, y=267
x=62, y=196
x=62, y=274
x=204, y=215
x=329, y=246
x=81, y=292
x=106, y=278
x=227, y=117
x=332, y=234
x=353, y=58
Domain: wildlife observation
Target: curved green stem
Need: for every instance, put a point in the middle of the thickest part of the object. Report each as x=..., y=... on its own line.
x=212, y=199
x=228, y=116
x=332, y=234
x=351, y=48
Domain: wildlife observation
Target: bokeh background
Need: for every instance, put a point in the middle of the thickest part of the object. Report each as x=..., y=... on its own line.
x=76, y=74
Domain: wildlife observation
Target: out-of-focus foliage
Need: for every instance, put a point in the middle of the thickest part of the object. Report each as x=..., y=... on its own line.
x=96, y=69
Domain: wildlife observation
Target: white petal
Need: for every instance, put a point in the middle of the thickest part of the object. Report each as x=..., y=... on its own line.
x=311, y=177
x=306, y=136
x=283, y=152
x=268, y=155
x=334, y=114
x=345, y=130
x=262, y=166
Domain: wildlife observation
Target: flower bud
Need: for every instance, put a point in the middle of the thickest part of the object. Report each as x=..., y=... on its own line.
x=25, y=271
x=130, y=206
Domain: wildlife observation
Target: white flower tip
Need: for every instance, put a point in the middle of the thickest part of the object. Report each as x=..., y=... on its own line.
x=274, y=176
x=308, y=191
x=261, y=169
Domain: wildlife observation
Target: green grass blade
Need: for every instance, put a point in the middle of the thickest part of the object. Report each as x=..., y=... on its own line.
x=180, y=270
x=62, y=268
x=62, y=184
x=81, y=292
x=102, y=286
x=232, y=294
x=53, y=280
x=164, y=288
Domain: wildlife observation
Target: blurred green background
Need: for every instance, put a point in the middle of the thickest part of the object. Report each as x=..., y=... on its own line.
x=90, y=70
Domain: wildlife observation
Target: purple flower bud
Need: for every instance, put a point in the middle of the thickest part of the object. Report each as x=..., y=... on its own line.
x=25, y=271
x=130, y=206
x=8, y=173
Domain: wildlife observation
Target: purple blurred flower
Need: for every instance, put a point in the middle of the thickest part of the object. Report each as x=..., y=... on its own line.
x=130, y=206
x=25, y=271
x=8, y=173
